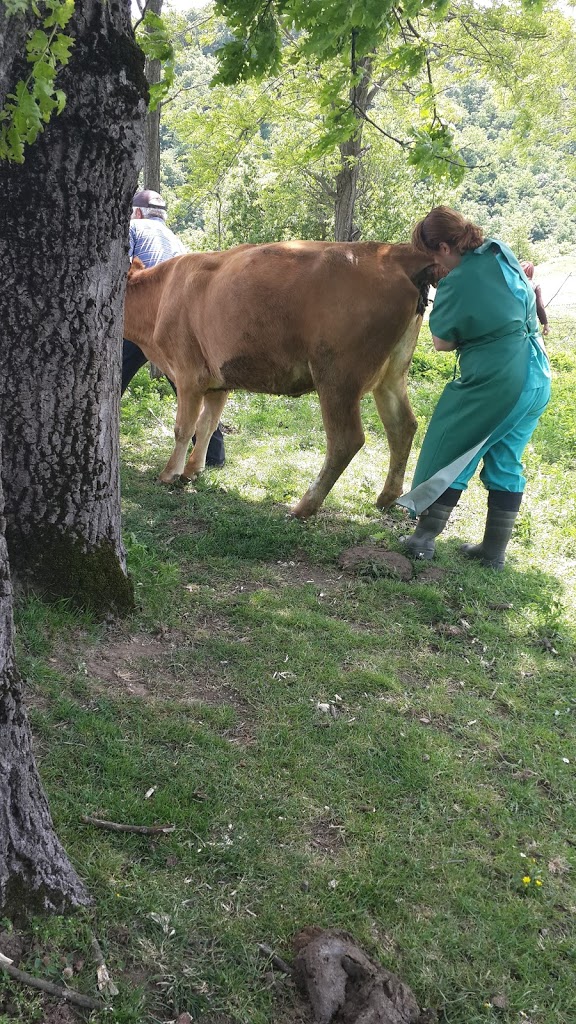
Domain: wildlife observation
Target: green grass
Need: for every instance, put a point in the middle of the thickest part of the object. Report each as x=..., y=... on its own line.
x=407, y=815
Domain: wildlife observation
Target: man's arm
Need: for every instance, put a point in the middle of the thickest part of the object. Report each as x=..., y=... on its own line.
x=541, y=309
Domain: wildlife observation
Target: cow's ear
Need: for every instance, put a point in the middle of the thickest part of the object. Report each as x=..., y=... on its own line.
x=137, y=264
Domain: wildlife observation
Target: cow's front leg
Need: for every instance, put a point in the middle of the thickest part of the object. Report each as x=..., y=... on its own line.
x=344, y=437
x=214, y=402
x=189, y=404
x=400, y=424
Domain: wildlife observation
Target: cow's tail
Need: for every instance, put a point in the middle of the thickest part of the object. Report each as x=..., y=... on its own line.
x=424, y=279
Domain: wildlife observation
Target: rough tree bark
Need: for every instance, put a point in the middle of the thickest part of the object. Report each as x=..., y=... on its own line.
x=35, y=873
x=63, y=252
x=153, y=72
x=350, y=153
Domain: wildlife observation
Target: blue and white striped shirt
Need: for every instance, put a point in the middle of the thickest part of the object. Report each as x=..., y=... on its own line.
x=152, y=242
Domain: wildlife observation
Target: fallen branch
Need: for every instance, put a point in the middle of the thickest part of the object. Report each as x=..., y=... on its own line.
x=105, y=983
x=114, y=826
x=54, y=990
x=276, y=961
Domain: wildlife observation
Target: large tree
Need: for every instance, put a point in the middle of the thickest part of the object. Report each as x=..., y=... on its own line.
x=35, y=873
x=63, y=252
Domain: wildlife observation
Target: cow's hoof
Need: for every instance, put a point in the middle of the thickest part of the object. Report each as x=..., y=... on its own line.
x=386, y=499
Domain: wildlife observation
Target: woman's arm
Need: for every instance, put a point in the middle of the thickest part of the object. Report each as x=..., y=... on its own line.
x=443, y=346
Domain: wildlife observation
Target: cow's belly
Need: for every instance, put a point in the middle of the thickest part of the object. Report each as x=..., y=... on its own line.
x=248, y=374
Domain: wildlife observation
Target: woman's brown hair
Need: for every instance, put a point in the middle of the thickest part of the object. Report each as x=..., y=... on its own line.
x=445, y=225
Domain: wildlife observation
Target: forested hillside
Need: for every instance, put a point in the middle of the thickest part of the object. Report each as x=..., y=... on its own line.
x=255, y=162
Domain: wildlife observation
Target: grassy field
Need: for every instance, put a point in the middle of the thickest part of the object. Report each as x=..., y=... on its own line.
x=333, y=748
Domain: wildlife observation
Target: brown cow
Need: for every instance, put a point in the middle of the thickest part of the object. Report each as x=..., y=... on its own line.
x=286, y=318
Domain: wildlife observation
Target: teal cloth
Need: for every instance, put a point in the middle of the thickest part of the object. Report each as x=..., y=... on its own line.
x=487, y=307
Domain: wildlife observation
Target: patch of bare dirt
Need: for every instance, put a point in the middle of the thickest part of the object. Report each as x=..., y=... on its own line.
x=299, y=571
x=430, y=574
x=150, y=668
x=214, y=1018
x=371, y=558
x=59, y=1013
x=327, y=836
x=144, y=667
x=293, y=1012
x=52, y=1013
x=187, y=526
x=296, y=572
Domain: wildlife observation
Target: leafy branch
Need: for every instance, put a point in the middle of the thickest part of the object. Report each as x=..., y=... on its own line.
x=153, y=38
x=36, y=97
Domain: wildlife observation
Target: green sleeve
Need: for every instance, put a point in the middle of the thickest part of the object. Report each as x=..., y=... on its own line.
x=450, y=311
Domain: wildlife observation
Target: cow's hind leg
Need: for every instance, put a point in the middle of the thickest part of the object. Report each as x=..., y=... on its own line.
x=214, y=402
x=344, y=437
x=189, y=405
x=391, y=397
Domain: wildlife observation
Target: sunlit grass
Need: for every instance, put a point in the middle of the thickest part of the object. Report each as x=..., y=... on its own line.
x=408, y=814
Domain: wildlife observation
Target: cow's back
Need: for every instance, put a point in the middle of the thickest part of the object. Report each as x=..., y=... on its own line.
x=265, y=316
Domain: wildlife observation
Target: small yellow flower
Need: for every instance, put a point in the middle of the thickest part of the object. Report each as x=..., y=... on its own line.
x=526, y=879
x=538, y=882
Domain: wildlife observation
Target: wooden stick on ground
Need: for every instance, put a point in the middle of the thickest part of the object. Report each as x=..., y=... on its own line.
x=105, y=983
x=67, y=994
x=276, y=961
x=114, y=826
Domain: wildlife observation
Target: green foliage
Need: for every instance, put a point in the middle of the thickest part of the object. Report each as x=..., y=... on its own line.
x=254, y=162
x=433, y=153
x=154, y=38
x=36, y=98
x=406, y=42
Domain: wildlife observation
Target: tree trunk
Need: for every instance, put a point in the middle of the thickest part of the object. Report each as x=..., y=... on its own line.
x=350, y=154
x=153, y=70
x=63, y=253
x=35, y=873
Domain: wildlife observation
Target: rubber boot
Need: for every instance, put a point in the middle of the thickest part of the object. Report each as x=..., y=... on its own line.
x=497, y=533
x=421, y=544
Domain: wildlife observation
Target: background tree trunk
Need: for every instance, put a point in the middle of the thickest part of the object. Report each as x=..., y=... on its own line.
x=153, y=71
x=35, y=873
x=350, y=153
x=63, y=252
x=151, y=173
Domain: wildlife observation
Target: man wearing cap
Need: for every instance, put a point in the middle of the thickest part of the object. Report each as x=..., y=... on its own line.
x=153, y=242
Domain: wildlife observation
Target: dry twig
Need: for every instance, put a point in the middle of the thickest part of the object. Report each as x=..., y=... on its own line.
x=276, y=961
x=66, y=994
x=114, y=826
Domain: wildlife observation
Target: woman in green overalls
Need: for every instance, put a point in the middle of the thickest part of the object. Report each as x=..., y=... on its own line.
x=486, y=310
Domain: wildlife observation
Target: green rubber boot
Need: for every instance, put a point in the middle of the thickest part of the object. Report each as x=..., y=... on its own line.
x=421, y=544
x=497, y=533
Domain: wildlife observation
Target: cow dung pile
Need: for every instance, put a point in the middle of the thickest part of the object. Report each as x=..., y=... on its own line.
x=345, y=986
x=375, y=560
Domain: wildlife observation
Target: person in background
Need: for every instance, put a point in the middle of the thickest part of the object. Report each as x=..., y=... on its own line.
x=541, y=313
x=484, y=309
x=152, y=241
